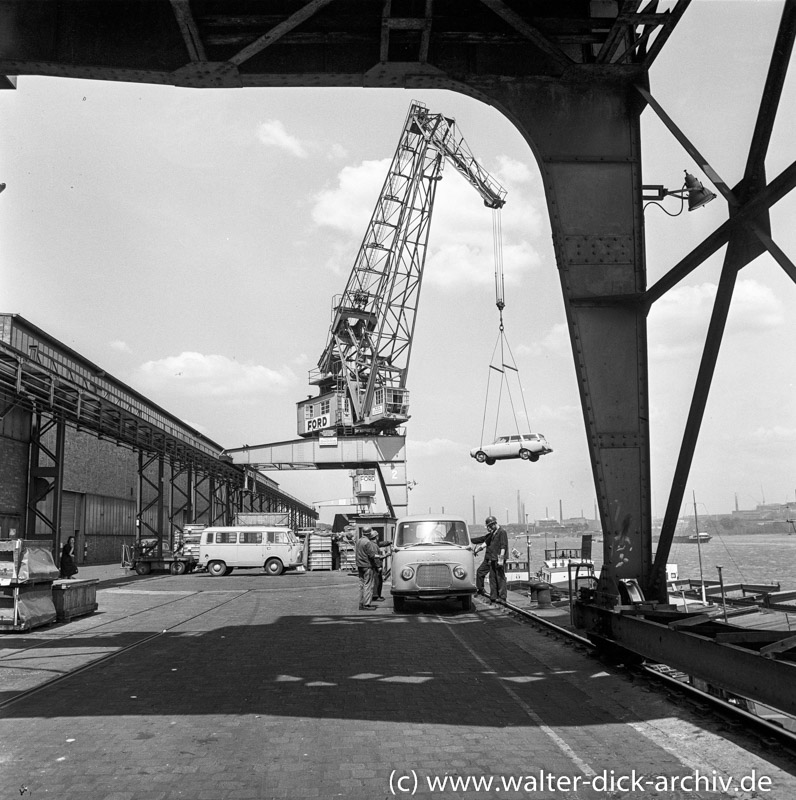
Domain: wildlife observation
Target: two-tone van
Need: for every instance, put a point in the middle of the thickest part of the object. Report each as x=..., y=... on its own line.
x=432, y=559
x=272, y=550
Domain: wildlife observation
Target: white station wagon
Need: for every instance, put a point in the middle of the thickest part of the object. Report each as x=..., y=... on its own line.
x=528, y=446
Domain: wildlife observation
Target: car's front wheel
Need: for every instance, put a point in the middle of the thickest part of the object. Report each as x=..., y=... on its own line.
x=480, y=456
x=217, y=568
x=273, y=567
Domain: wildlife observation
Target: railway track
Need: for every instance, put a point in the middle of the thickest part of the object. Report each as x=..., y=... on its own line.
x=9, y=658
x=674, y=683
x=657, y=676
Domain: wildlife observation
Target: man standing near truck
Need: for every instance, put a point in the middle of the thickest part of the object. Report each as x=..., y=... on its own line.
x=368, y=562
x=496, y=553
x=483, y=567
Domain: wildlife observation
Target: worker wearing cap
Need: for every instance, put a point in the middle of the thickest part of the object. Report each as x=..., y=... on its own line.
x=483, y=567
x=496, y=553
x=367, y=560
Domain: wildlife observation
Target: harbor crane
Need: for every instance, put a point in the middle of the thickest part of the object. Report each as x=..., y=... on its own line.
x=361, y=375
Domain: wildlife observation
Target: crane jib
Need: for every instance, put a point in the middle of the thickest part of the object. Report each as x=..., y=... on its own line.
x=361, y=375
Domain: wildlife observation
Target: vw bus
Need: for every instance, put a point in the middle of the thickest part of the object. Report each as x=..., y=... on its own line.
x=432, y=559
x=249, y=547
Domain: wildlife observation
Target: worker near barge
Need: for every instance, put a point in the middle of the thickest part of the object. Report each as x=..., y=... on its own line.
x=497, y=548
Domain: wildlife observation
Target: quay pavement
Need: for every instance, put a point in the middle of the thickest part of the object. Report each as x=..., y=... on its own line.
x=249, y=686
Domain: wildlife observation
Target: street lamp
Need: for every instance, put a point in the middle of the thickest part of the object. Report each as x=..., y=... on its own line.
x=691, y=190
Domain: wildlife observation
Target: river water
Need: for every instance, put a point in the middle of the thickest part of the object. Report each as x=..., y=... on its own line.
x=744, y=558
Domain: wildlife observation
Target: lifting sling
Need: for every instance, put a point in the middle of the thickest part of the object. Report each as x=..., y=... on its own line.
x=502, y=360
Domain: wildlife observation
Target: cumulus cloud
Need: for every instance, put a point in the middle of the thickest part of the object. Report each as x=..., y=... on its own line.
x=348, y=206
x=432, y=448
x=511, y=171
x=555, y=341
x=776, y=433
x=214, y=376
x=562, y=413
x=337, y=152
x=678, y=321
x=461, y=241
x=273, y=134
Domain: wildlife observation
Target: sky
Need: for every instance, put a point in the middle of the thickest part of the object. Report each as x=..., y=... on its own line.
x=190, y=242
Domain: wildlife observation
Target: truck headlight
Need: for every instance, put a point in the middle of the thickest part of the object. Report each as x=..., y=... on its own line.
x=407, y=573
x=460, y=572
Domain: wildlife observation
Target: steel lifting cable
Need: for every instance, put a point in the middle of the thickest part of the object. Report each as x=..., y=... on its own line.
x=502, y=341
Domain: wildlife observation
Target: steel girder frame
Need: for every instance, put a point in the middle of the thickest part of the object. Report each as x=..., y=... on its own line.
x=694, y=646
x=45, y=475
x=387, y=454
x=150, y=518
x=181, y=497
x=748, y=235
x=586, y=140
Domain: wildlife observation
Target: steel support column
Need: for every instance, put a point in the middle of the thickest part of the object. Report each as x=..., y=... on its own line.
x=181, y=497
x=203, y=502
x=45, y=477
x=586, y=139
x=151, y=512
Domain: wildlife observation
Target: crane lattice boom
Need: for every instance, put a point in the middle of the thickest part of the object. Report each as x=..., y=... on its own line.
x=362, y=372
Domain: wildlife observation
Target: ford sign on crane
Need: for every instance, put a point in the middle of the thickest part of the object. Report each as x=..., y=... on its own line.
x=361, y=375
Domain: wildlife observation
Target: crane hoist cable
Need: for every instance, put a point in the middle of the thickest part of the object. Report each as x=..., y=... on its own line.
x=502, y=344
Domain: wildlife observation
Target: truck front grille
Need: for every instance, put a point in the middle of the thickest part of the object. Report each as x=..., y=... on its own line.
x=433, y=576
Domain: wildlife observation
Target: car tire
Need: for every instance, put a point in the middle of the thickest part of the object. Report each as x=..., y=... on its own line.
x=534, y=456
x=490, y=461
x=177, y=568
x=398, y=604
x=480, y=456
x=143, y=567
x=466, y=602
x=525, y=454
x=217, y=569
x=273, y=567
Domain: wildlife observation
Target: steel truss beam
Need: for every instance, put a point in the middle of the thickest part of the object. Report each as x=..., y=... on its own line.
x=45, y=478
x=746, y=241
x=722, y=655
x=387, y=454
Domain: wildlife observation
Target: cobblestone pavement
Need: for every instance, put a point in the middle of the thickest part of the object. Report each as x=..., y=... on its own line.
x=248, y=686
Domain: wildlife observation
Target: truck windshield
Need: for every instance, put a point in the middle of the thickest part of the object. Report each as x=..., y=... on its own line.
x=432, y=532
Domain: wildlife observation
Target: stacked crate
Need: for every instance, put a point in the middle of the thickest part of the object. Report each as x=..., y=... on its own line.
x=320, y=552
x=347, y=556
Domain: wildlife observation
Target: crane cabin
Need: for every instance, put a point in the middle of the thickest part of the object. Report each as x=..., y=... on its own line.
x=332, y=411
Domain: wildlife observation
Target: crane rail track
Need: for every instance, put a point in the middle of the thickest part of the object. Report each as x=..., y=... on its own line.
x=146, y=638
x=768, y=733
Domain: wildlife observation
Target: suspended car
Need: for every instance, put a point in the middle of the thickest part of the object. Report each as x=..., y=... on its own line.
x=528, y=446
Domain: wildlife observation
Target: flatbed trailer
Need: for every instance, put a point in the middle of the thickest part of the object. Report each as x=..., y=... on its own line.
x=144, y=559
x=176, y=565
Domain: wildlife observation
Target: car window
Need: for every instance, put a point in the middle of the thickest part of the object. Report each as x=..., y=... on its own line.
x=432, y=532
x=226, y=537
x=251, y=537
